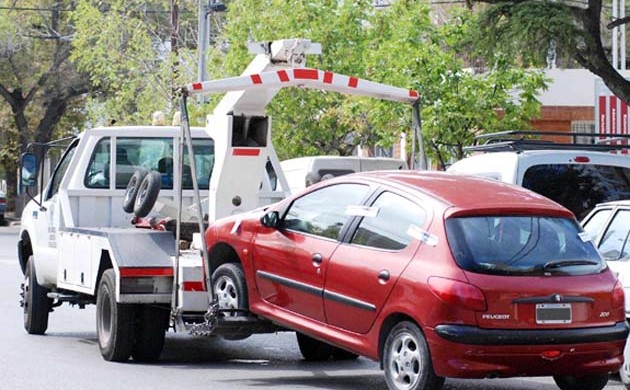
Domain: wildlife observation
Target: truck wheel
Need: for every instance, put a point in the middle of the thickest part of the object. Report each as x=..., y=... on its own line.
x=230, y=290
x=147, y=194
x=114, y=321
x=151, y=325
x=35, y=301
x=313, y=350
x=132, y=189
x=406, y=360
x=587, y=382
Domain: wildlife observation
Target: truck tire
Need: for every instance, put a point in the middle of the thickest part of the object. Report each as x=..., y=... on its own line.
x=230, y=290
x=151, y=325
x=35, y=301
x=313, y=350
x=114, y=321
x=147, y=194
x=132, y=190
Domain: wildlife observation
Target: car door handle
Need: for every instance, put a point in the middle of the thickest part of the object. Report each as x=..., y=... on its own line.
x=383, y=275
x=317, y=258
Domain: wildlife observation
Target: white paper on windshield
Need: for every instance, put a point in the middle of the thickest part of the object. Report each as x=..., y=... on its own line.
x=584, y=236
x=237, y=224
x=422, y=235
x=361, y=211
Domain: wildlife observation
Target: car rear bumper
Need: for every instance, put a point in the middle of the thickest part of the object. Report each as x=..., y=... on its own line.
x=477, y=336
x=529, y=357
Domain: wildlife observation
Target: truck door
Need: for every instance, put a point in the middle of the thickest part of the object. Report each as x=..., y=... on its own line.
x=49, y=219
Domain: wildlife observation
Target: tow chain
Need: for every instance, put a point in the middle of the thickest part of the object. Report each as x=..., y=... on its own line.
x=206, y=328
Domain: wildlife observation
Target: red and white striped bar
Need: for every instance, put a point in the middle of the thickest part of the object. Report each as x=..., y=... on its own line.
x=305, y=77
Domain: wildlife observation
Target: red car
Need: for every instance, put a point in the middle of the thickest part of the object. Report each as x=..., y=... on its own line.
x=433, y=274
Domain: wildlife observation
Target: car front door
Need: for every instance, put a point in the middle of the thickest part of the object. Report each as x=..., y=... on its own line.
x=291, y=261
x=363, y=271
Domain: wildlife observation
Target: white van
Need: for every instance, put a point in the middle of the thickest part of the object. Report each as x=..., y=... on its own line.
x=577, y=176
x=304, y=171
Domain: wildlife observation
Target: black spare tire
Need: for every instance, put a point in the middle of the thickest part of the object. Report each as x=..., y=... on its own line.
x=132, y=189
x=147, y=194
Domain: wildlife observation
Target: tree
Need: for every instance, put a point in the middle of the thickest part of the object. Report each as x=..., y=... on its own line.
x=573, y=27
x=397, y=45
x=39, y=85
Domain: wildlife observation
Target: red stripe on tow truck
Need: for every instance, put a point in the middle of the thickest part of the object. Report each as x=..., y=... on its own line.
x=197, y=86
x=328, y=76
x=256, y=79
x=194, y=286
x=283, y=76
x=306, y=74
x=246, y=152
x=136, y=272
x=413, y=93
x=353, y=82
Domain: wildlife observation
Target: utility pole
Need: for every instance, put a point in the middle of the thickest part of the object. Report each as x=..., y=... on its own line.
x=174, y=47
x=205, y=8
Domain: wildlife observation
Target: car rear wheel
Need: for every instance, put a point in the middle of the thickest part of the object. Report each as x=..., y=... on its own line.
x=587, y=382
x=313, y=350
x=406, y=360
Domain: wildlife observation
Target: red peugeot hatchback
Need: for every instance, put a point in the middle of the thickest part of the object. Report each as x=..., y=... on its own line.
x=436, y=275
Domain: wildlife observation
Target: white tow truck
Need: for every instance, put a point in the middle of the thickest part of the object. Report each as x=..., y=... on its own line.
x=76, y=244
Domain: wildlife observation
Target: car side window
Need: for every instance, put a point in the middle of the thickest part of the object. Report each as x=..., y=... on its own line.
x=323, y=212
x=60, y=170
x=388, y=229
x=614, y=244
x=97, y=173
x=595, y=223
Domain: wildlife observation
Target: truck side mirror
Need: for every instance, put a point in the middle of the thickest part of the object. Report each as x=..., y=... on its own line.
x=28, y=171
x=271, y=220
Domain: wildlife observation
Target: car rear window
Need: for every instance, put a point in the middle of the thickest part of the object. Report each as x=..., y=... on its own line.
x=522, y=245
x=578, y=187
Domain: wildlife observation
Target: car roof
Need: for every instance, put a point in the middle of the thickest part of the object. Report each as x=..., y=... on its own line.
x=470, y=195
x=624, y=202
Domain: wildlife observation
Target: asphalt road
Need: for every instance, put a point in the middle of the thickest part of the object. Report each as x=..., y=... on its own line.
x=67, y=357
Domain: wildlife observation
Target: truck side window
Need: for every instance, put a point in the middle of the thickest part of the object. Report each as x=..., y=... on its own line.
x=61, y=169
x=97, y=174
x=203, y=149
x=152, y=154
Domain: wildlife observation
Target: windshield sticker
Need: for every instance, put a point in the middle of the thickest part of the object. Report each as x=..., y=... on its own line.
x=362, y=211
x=235, y=227
x=584, y=236
x=422, y=235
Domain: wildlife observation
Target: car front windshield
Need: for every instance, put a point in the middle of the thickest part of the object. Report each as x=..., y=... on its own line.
x=522, y=245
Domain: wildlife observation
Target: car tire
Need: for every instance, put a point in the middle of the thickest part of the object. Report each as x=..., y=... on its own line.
x=624, y=371
x=230, y=290
x=313, y=350
x=35, y=301
x=150, y=330
x=114, y=321
x=148, y=192
x=132, y=190
x=587, y=382
x=341, y=354
x=406, y=360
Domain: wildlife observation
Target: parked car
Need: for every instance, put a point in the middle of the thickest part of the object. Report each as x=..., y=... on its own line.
x=608, y=224
x=3, y=207
x=435, y=275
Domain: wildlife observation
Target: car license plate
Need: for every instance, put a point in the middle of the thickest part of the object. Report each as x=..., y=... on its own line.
x=553, y=313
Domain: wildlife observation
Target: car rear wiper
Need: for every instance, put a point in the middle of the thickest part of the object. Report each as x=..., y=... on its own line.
x=567, y=263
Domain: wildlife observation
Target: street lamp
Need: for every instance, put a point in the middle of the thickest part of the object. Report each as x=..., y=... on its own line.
x=205, y=8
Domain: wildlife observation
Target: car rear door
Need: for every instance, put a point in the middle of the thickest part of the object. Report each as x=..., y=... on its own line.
x=291, y=261
x=363, y=270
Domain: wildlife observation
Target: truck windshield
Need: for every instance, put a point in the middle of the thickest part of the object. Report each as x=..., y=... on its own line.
x=522, y=245
x=579, y=187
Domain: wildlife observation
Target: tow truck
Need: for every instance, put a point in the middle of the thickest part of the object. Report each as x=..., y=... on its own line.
x=76, y=245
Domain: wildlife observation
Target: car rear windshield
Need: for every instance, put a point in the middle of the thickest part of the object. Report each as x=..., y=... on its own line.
x=579, y=187
x=522, y=245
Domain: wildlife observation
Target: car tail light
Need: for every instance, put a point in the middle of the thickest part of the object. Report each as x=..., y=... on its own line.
x=458, y=293
x=582, y=159
x=3, y=200
x=618, y=295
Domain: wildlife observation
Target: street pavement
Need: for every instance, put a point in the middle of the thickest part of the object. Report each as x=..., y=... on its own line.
x=67, y=357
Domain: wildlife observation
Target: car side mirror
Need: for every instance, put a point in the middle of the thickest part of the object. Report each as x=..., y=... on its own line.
x=28, y=171
x=271, y=220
